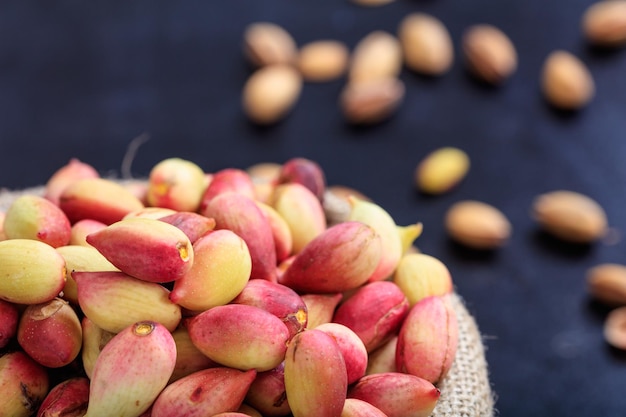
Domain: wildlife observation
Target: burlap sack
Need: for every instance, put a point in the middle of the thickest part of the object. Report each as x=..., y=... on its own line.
x=465, y=391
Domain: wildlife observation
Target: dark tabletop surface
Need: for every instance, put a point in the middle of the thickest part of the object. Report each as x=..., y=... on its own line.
x=82, y=79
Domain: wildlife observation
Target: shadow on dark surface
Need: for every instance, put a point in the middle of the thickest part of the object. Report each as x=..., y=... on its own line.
x=557, y=246
x=466, y=254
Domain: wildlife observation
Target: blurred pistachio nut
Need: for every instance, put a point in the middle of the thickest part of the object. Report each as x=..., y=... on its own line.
x=270, y=93
x=378, y=55
x=266, y=43
x=607, y=283
x=372, y=101
x=570, y=216
x=604, y=23
x=566, y=82
x=477, y=225
x=441, y=170
x=32, y=271
x=426, y=44
x=489, y=53
x=323, y=60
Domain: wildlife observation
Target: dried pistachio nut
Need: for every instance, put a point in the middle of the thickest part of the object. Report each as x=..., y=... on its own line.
x=50, y=333
x=351, y=347
x=383, y=359
x=302, y=211
x=342, y=258
x=323, y=60
x=267, y=393
x=489, y=53
x=9, y=318
x=374, y=312
x=97, y=199
x=383, y=224
x=604, y=23
x=81, y=258
x=428, y=339
x=229, y=335
x=378, y=55
x=570, y=216
x=68, y=398
x=241, y=214
x=115, y=300
x=371, y=102
x=131, y=371
x=607, y=283
x=320, y=308
x=207, y=392
x=94, y=340
x=477, y=225
x=24, y=384
x=32, y=271
x=64, y=176
x=33, y=217
x=420, y=275
x=306, y=172
x=147, y=249
x=441, y=170
x=566, y=82
x=426, y=44
x=220, y=270
x=397, y=394
x=267, y=43
x=228, y=180
x=615, y=328
x=270, y=93
x=315, y=373
x=177, y=184
x=359, y=408
x=189, y=358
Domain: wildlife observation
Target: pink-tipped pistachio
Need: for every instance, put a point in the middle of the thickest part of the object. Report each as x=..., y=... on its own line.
x=352, y=349
x=420, y=275
x=281, y=301
x=177, y=184
x=81, y=258
x=194, y=225
x=115, y=300
x=267, y=393
x=358, y=408
x=73, y=171
x=397, y=394
x=375, y=312
x=302, y=210
x=383, y=224
x=231, y=335
x=82, y=228
x=131, y=371
x=33, y=217
x=240, y=214
x=32, y=271
x=306, y=172
x=94, y=340
x=342, y=258
x=228, y=180
x=68, y=398
x=50, y=333
x=9, y=318
x=98, y=199
x=320, y=308
x=204, y=393
x=221, y=269
x=315, y=375
x=23, y=383
x=428, y=339
x=189, y=359
x=147, y=249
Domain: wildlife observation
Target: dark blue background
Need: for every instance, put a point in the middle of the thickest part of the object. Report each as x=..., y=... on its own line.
x=82, y=79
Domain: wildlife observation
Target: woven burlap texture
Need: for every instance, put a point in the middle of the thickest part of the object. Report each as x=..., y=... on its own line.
x=465, y=391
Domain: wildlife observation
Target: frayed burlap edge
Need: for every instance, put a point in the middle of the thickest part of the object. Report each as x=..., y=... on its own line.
x=466, y=389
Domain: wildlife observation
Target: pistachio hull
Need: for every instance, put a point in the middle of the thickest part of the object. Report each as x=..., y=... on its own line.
x=66, y=399
x=204, y=393
x=221, y=269
x=342, y=258
x=177, y=184
x=383, y=359
x=131, y=371
x=351, y=347
x=267, y=393
x=306, y=172
x=189, y=359
x=32, y=272
x=94, y=340
x=428, y=339
x=315, y=375
x=420, y=275
x=359, y=408
x=228, y=180
x=114, y=300
x=374, y=312
x=23, y=385
x=231, y=335
x=50, y=333
x=397, y=394
x=9, y=318
x=320, y=308
x=283, y=241
x=147, y=249
x=64, y=176
x=194, y=225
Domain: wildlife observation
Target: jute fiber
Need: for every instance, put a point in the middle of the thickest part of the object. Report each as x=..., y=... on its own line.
x=465, y=391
